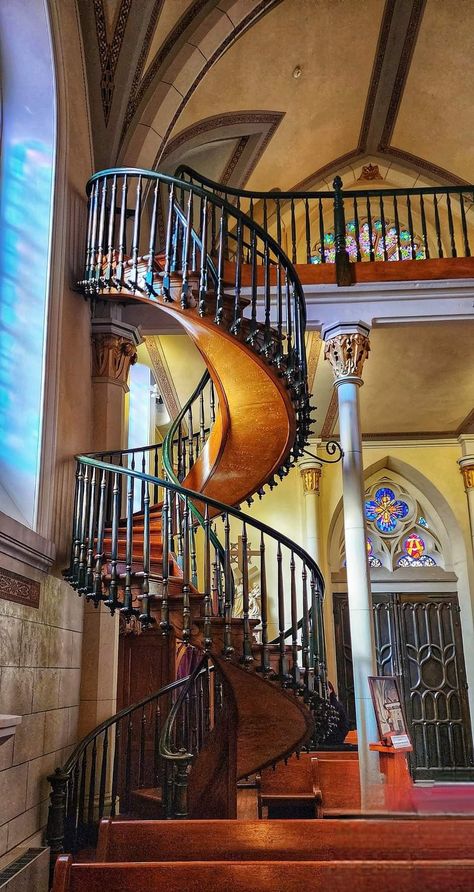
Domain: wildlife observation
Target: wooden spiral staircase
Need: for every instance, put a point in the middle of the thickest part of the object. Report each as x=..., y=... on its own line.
x=154, y=528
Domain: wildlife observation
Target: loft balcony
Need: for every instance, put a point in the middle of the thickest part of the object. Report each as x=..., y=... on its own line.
x=340, y=237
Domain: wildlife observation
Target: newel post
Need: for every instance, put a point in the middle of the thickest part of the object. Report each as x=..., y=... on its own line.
x=56, y=826
x=343, y=268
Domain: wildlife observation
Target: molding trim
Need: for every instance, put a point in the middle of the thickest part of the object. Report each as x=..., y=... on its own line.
x=24, y=551
x=376, y=73
x=109, y=52
x=402, y=72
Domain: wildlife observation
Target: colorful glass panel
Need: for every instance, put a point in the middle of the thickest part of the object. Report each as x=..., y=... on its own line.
x=414, y=556
x=385, y=510
x=396, y=244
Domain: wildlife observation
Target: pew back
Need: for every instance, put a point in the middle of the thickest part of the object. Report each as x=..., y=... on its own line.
x=336, y=785
x=300, y=840
x=293, y=780
x=313, y=876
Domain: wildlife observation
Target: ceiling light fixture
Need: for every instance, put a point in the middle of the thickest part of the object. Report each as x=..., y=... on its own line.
x=297, y=72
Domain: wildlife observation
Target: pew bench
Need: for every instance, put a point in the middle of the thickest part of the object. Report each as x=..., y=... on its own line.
x=289, y=786
x=292, y=876
x=299, y=840
x=336, y=786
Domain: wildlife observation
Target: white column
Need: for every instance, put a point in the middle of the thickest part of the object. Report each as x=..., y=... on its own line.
x=310, y=470
x=347, y=346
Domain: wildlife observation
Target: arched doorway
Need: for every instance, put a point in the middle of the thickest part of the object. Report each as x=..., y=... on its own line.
x=417, y=621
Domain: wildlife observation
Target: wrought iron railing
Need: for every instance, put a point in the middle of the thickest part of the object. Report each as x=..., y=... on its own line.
x=118, y=757
x=362, y=225
x=118, y=565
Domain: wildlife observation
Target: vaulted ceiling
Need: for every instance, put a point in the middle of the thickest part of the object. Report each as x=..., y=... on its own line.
x=211, y=83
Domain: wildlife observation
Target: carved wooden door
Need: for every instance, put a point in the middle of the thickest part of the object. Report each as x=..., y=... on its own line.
x=418, y=638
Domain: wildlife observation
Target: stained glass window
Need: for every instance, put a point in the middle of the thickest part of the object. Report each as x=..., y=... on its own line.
x=373, y=561
x=414, y=553
x=385, y=510
x=395, y=244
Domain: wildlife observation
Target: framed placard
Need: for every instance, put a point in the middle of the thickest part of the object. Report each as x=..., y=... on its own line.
x=389, y=714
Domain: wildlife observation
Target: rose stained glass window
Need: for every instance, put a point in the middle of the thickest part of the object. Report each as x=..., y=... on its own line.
x=414, y=553
x=395, y=244
x=385, y=510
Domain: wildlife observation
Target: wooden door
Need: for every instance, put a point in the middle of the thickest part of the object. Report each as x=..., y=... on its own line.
x=418, y=638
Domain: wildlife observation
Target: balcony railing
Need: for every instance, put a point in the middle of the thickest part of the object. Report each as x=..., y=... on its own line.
x=342, y=227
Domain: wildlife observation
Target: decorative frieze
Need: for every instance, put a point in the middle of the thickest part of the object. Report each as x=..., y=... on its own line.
x=19, y=589
x=467, y=471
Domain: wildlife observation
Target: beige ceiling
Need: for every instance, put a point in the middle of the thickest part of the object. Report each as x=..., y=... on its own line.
x=418, y=380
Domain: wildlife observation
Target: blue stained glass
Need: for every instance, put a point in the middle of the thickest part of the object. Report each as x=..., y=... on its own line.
x=385, y=510
x=422, y=522
x=384, y=493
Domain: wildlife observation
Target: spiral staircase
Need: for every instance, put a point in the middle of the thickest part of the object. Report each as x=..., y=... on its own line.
x=154, y=528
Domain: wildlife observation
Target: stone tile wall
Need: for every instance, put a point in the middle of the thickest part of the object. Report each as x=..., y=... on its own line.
x=40, y=669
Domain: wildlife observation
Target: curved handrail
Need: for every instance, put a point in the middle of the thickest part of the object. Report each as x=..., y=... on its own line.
x=225, y=205
x=221, y=508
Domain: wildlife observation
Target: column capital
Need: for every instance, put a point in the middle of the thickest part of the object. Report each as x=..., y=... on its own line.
x=310, y=468
x=347, y=346
x=114, y=350
x=466, y=465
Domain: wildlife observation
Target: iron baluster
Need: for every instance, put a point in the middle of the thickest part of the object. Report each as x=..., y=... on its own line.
x=397, y=227
x=321, y=232
x=410, y=228
x=100, y=539
x=168, y=247
x=238, y=280
x=370, y=231
x=212, y=402
x=193, y=558
x=308, y=230
x=203, y=275
x=165, y=536
x=103, y=773
x=95, y=271
x=127, y=599
x=82, y=534
x=266, y=271
x=91, y=796
x=141, y=757
x=437, y=226
x=185, y=256
x=265, y=665
x=202, y=423
x=112, y=600
x=190, y=437
x=122, y=235
x=253, y=259
x=128, y=765
x=149, y=277
x=89, y=582
x=293, y=231
x=228, y=648
x=247, y=656
x=82, y=795
x=357, y=229
x=100, y=238
x=115, y=770
x=133, y=281
x=207, y=604
x=88, y=269
x=157, y=768
x=186, y=572
x=111, y=234
x=281, y=616
x=423, y=228
x=294, y=623
x=384, y=229
x=467, y=250
x=451, y=226
x=278, y=220
x=144, y=598
x=307, y=665
x=343, y=272
x=219, y=317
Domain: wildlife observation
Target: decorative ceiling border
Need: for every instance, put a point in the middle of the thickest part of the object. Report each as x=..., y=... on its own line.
x=402, y=72
x=436, y=171
x=250, y=19
x=376, y=73
x=231, y=119
x=331, y=416
x=162, y=375
x=313, y=353
x=137, y=77
x=109, y=52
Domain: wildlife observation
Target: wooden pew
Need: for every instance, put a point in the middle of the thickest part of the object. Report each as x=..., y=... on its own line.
x=336, y=786
x=290, y=786
x=268, y=876
x=224, y=840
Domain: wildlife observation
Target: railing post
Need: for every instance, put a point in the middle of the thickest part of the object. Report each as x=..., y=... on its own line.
x=56, y=827
x=343, y=270
x=180, y=798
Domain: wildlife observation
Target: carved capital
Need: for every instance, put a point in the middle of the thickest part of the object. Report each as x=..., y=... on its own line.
x=112, y=356
x=467, y=471
x=347, y=353
x=311, y=478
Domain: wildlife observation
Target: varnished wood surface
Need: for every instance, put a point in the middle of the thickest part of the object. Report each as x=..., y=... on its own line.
x=292, y=782
x=300, y=840
x=290, y=876
x=336, y=784
x=271, y=722
x=378, y=271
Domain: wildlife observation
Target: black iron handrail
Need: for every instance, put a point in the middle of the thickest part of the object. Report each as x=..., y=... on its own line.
x=397, y=223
